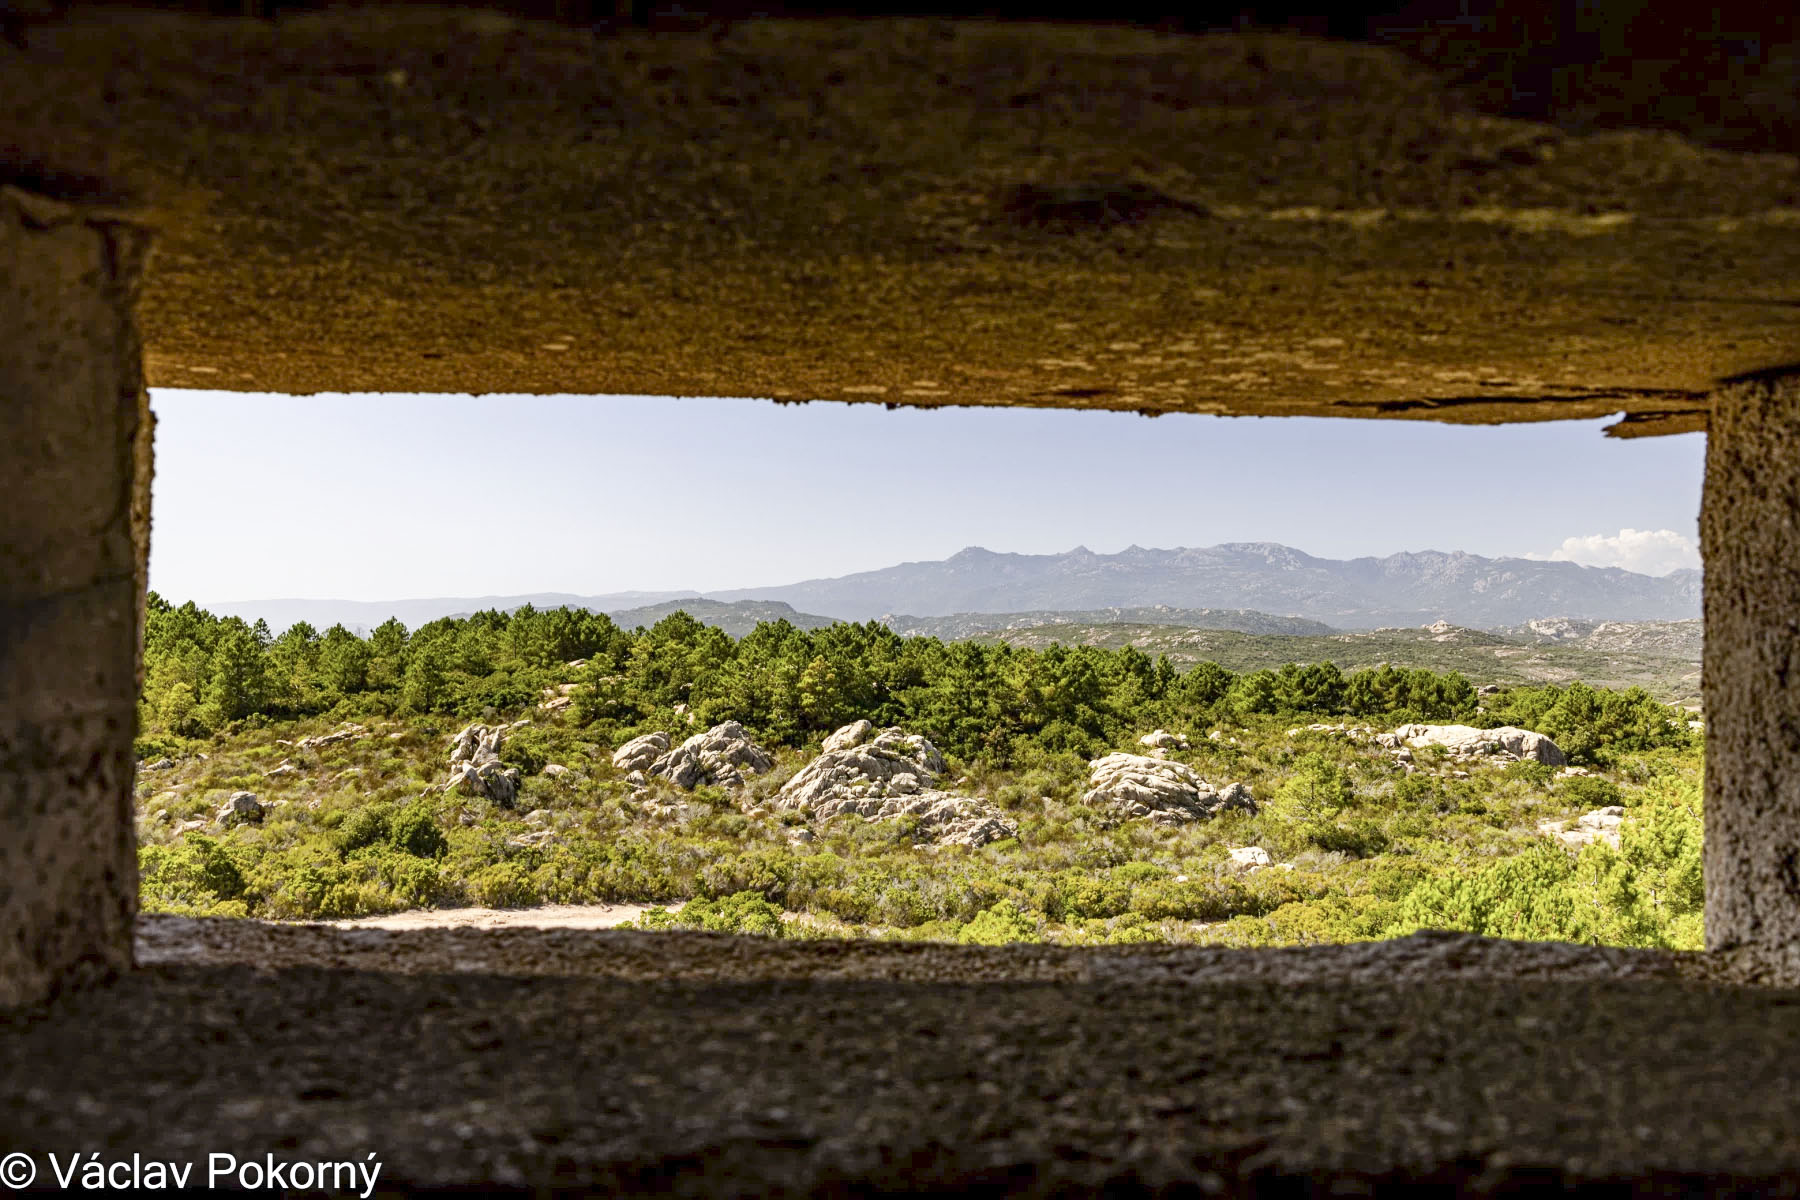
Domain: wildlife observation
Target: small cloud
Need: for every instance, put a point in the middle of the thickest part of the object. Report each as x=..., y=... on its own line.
x=1646, y=551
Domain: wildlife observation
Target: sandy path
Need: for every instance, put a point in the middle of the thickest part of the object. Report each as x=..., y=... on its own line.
x=547, y=916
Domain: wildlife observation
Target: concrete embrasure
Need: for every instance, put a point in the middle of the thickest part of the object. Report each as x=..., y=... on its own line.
x=1750, y=541
x=903, y=212
x=74, y=533
x=706, y=1065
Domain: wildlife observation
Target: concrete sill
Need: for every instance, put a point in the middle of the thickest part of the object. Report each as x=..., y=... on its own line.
x=693, y=1064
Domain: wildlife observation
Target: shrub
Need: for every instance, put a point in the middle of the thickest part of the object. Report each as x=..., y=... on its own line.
x=194, y=875
x=1587, y=791
x=743, y=912
x=1360, y=837
x=364, y=827
x=1318, y=790
x=527, y=749
x=1001, y=925
x=503, y=885
x=413, y=830
x=1087, y=897
x=1530, y=771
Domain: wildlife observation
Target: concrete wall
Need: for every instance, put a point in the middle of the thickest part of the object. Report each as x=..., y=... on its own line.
x=74, y=537
x=1750, y=540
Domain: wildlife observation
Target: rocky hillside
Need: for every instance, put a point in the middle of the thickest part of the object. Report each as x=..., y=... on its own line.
x=1361, y=593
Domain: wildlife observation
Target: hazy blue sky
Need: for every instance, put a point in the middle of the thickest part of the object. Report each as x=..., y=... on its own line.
x=386, y=497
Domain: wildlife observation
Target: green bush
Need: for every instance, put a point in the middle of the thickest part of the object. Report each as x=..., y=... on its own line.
x=1588, y=791
x=414, y=831
x=1087, y=897
x=1318, y=791
x=194, y=875
x=743, y=912
x=528, y=749
x=365, y=827
x=1001, y=925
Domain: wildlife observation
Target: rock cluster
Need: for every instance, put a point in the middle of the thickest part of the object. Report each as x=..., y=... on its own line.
x=558, y=697
x=640, y=752
x=859, y=761
x=1161, y=741
x=1601, y=825
x=241, y=808
x=1508, y=742
x=475, y=767
x=885, y=775
x=719, y=757
x=1154, y=789
x=348, y=733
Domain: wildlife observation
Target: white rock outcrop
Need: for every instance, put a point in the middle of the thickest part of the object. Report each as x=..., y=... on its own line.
x=558, y=697
x=640, y=752
x=1601, y=825
x=1465, y=741
x=718, y=757
x=475, y=766
x=348, y=733
x=1154, y=789
x=1162, y=739
x=476, y=743
x=858, y=761
x=887, y=774
x=1250, y=857
x=945, y=817
x=241, y=808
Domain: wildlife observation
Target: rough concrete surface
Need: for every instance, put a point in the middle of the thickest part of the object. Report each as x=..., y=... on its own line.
x=909, y=212
x=739, y=1067
x=71, y=591
x=1750, y=538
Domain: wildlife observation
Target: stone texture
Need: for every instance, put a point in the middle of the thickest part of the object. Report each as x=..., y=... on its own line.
x=74, y=451
x=1601, y=825
x=908, y=212
x=350, y=732
x=619, y=1062
x=858, y=760
x=640, y=752
x=1162, y=792
x=1750, y=543
x=475, y=766
x=240, y=808
x=882, y=775
x=719, y=757
x=1507, y=742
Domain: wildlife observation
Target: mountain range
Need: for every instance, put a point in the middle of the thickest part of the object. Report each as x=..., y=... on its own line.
x=1257, y=587
x=1359, y=593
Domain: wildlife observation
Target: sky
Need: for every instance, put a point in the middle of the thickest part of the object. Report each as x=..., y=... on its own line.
x=377, y=497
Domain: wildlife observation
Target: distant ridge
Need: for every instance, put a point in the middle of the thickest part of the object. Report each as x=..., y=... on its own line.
x=1248, y=586
x=1362, y=593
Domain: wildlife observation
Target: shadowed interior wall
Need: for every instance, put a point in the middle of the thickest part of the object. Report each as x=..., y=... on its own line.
x=74, y=536
x=1750, y=541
